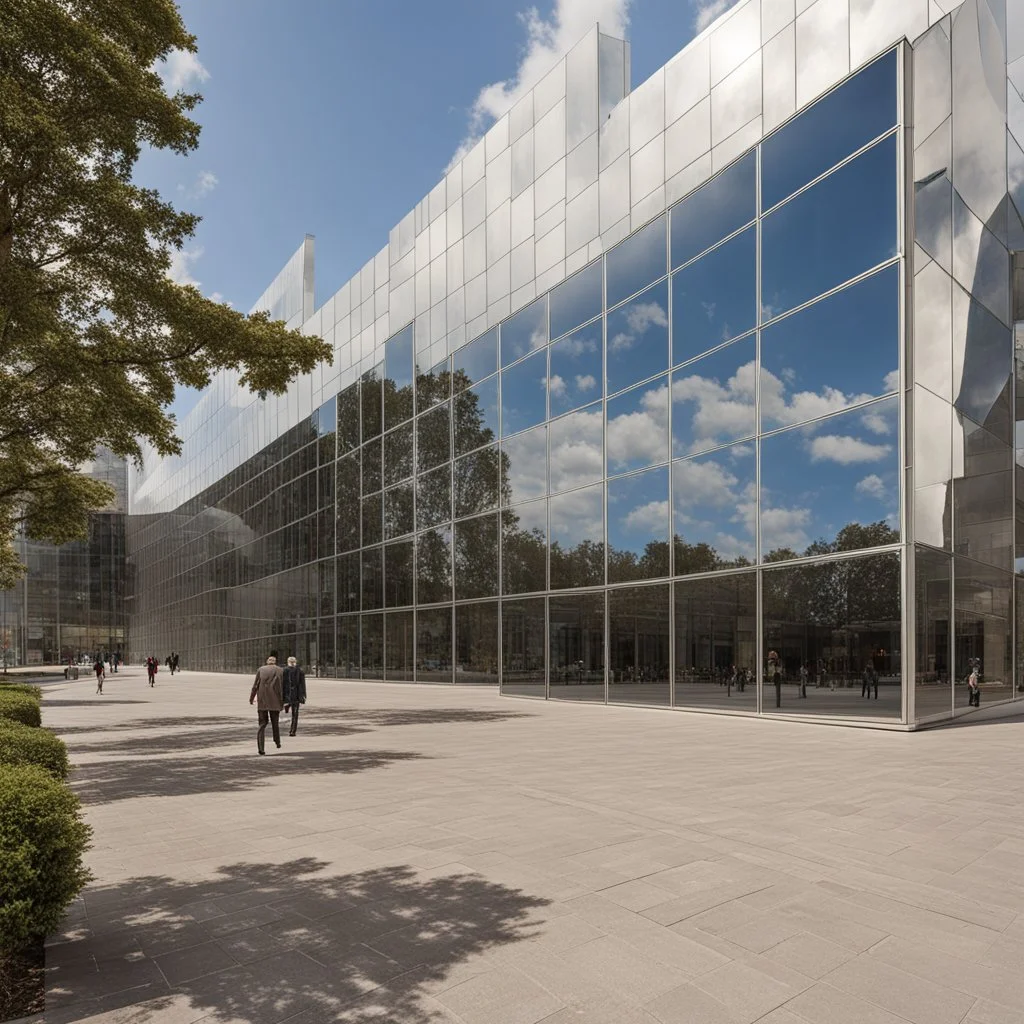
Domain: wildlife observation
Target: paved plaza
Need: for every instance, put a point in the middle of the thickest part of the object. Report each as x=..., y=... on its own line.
x=429, y=855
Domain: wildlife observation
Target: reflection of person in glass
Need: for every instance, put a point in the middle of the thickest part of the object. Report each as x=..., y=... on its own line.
x=803, y=680
x=774, y=676
x=973, y=683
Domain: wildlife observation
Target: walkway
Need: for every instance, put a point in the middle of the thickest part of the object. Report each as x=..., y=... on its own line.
x=443, y=855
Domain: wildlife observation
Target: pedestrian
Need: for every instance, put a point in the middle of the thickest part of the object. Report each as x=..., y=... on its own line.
x=865, y=682
x=268, y=692
x=294, y=692
x=152, y=666
x=973, y=687
x=174, y=662
x=803, y=680
x=115, y=661
x=100, y=674
x=774, y=675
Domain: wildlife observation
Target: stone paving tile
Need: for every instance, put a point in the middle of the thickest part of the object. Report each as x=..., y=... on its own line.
x=448, y=855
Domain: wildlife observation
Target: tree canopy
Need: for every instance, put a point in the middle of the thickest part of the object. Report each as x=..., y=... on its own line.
x=94, y=335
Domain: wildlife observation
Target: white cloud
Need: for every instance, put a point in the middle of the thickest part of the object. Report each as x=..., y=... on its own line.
x=577, y=515
x=785, y=528
x=585, y=382
x=639, y=437
x=557, y=386
x=707, y=10
x=892, y=381
x=576, y=450
x=872, y=486
x=649, y=518
x=640, y=317
x=205, y=183
x=181, y=71
x=704, y=483
x=182, y=260
x=846, y=450
x=547, y=41
x=876, y=420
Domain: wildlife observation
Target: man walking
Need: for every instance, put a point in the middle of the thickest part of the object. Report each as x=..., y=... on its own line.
x=267, y=691
x=294, y=692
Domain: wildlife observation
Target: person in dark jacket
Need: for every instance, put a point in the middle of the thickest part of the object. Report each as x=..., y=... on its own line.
x=294, y=692
x=267, y=688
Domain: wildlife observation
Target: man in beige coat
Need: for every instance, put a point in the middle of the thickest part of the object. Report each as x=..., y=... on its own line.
x=268, y=693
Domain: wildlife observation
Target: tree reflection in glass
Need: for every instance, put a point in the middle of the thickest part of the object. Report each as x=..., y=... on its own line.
x=524, y=536
x=577, y=538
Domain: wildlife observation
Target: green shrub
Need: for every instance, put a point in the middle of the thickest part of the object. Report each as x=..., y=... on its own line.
x=24, y=744
x=19, y=707
x=31, y=689
x=42, y=840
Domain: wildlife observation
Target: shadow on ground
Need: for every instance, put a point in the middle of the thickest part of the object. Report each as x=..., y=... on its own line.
x=125, y=778
x=100, y=701
x=266, y=942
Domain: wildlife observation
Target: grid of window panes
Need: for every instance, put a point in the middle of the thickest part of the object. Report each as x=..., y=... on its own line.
x=671, y=478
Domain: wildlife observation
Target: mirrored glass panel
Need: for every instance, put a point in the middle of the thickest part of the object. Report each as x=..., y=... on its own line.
x=398, y=454
x=476, y=360
x=433, y=386
x=982, y=632
x=933, y=686
x=983, y=502
x=522, y=647
x=524, y=394
x=833, y=485
x=476, y=416
x=576, y=300
x=373, y=578
x=714, y=510
x=348, y=419
x=399, y=644
x=714, y=299
x=832, y=638
x=348, y=503
x=434, y=645
x=524, y=538
x=638, y=427
x=476, y=558
x=398, y=512
x=434, y=497
x=373, y=518
x=716, y=642
x=637, y=261
x=347, y=592
x=477, y=482
x=525, y=331
x=576, y=646
x=638, y=525
x=577, y=538
x=348, y=653
x=715, y=210
x=577, y=448
x=577, y=369
x=524, y=461
x=857, y=203
x=372, y=477
x=434, y=566
x=638, y=645
x=713, y=399
x=398, y=574
x=982, y=365
x=476, y=644
x=372, y=646
x=840, y=352
x=828, y=131
x=433, y=431
x=398, y=378
x=638, y=338
x=372, y=398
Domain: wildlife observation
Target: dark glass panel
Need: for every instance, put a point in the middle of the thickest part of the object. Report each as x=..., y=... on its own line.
x=576, y=646
x=434, y=386
x=348, y=587
x=638, y=514
x=373, y=578
x=715, y=210
x=831, y=632
x=716, y=642
x=800, y=257
x=577, y=369
x=638, y=645
x=832, y=485
x=373, y=516
x=398, y=514
x=576, y=300
x=983, y=499
x=828, y=131
x=842, y=351
x=714, y=510
x=372, y=646
x=638, y=338
x=636, y=261
x=372, y=398
x=714, y=399
x=348, y=419
x=577, y=538
x=372, y=478
x=399, y=643
x=638, y=427
x=982, y=598
x=933, y=687
x=477, y=482
x=524, y=331
x=476, y=643
x=476, y=416
x=434, y=566
x=327, y=420
x=347, y=517
x=524, y=459
x=434, y=497
x=475, y=361
x=524, y=533
x=398, y=574
x=434, y=645
x=476, y=558
x=398, y=454
x=398, y=378
x=522, y=647
x=714, y=299
x=434, y=443
x=326, y=572
x=577, y=448
x=524, y=394
x=348, y=653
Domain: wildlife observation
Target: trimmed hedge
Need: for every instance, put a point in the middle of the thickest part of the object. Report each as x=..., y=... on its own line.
x=19, y=707
x=31, y=689
x=42, y=840
x=25, y=744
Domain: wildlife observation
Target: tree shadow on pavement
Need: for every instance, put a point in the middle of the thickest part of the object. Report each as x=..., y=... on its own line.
x=266, y=942
x=99, y=701
x=144, y=725
x=126, y=778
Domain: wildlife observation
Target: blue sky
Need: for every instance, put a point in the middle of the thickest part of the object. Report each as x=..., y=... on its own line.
x=335, y=118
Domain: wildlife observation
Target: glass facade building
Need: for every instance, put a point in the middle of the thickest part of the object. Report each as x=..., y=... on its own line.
x=699, y=395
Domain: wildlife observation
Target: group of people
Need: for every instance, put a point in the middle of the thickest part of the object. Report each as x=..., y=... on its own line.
x=276, y=690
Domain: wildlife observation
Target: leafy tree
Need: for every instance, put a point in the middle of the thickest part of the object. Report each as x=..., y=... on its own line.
x=94, y=336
